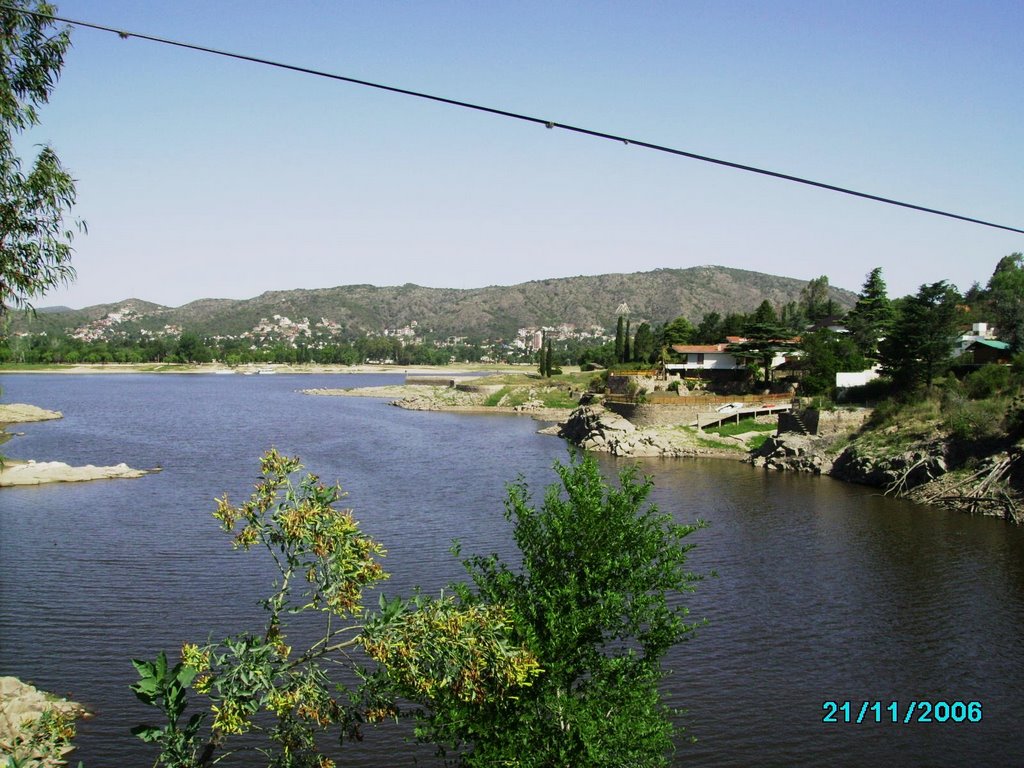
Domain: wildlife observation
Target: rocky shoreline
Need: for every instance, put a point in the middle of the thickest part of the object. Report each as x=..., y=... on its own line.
x=419, y=397
x=16, y=472
x=594, y=428
x=21, y=708
x=922, y=472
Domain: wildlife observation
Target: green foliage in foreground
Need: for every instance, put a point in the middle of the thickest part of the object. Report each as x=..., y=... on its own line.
x=41, y=743
x=436, y=653
x=556, y=663
x=594, y=602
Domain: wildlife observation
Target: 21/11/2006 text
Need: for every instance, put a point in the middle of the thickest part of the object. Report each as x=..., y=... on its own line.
x=894, y=712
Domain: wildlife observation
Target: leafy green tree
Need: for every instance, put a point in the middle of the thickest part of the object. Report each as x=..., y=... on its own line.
x=643, y=344
x=548, y=360
x=764, y=315
x=826, y=353
x=679, y=331
x=603, y=356
x=709, y=331
x=1006, y=299
x=191, y=349
x=872, y=316
x=35, y=242
x=732, y=325
x=793, y=317
x=921, y=341
x=596, y=601
x=627, y=347
x=765, y=338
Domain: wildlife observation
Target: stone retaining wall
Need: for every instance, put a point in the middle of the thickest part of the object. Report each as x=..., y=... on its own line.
x=647, y=415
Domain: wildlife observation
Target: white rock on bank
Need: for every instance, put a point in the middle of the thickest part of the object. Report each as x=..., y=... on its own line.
x=22, y=703
x=39, y=472
x=18, y=413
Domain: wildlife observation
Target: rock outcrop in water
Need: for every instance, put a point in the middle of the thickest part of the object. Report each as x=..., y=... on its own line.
x=19, y=413
x=40, y=472
x=21, y=707
x=796, y=453
x=595, y=428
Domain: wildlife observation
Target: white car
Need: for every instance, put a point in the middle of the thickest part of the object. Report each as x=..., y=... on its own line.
x=729, y=407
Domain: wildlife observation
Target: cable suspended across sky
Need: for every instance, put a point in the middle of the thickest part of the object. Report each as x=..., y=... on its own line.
x=550, y=124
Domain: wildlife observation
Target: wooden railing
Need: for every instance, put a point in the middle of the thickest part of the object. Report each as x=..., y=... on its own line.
x=697, y=401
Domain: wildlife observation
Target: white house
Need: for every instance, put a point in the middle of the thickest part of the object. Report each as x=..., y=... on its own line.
x=703, y=357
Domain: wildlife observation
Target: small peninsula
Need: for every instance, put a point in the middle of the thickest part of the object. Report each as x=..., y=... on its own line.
x=21, y=472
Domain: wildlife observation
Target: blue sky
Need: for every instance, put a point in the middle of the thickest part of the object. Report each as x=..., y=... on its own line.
x=206, y=177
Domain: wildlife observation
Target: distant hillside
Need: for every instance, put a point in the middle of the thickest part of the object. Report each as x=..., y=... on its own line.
x=493, y=312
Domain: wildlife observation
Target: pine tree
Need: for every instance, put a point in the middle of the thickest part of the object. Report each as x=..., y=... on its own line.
x=921, y=342
x=872, y=316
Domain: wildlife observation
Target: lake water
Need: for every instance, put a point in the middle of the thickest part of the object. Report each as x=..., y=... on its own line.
x=825, y=591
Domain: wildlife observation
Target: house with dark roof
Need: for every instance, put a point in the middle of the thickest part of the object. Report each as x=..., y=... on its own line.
x=986, y=351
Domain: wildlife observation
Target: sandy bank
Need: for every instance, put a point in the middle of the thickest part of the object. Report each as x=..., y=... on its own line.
x=20, y=413
x=39, y=472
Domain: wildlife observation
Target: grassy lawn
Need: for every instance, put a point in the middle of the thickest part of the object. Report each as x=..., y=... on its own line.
x=756, y=442
x=732, y=428
x=519, y=388
x=557, y=398
x=495, y=398
x=705, y=442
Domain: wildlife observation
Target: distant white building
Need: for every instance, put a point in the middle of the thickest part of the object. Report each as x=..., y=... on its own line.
x=979, y=332
x=857, y=378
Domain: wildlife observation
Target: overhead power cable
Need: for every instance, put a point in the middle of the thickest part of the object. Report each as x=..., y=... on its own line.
x=124, y=34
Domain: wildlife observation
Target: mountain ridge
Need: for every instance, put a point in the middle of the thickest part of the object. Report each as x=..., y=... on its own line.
x=654, y=296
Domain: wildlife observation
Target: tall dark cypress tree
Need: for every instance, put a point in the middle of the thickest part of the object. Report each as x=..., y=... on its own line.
x=619, y=333
x=627, y=347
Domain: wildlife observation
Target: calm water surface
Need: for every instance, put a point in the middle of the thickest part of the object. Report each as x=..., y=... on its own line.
x=823, y=591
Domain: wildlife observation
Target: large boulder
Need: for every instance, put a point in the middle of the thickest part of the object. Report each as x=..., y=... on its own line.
x=793, y=452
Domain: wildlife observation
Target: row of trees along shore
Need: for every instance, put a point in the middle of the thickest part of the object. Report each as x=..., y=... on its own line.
x=909, y=336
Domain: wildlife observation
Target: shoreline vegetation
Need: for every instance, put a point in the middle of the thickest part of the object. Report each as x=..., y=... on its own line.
x=907, y=458
x=35, y=724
